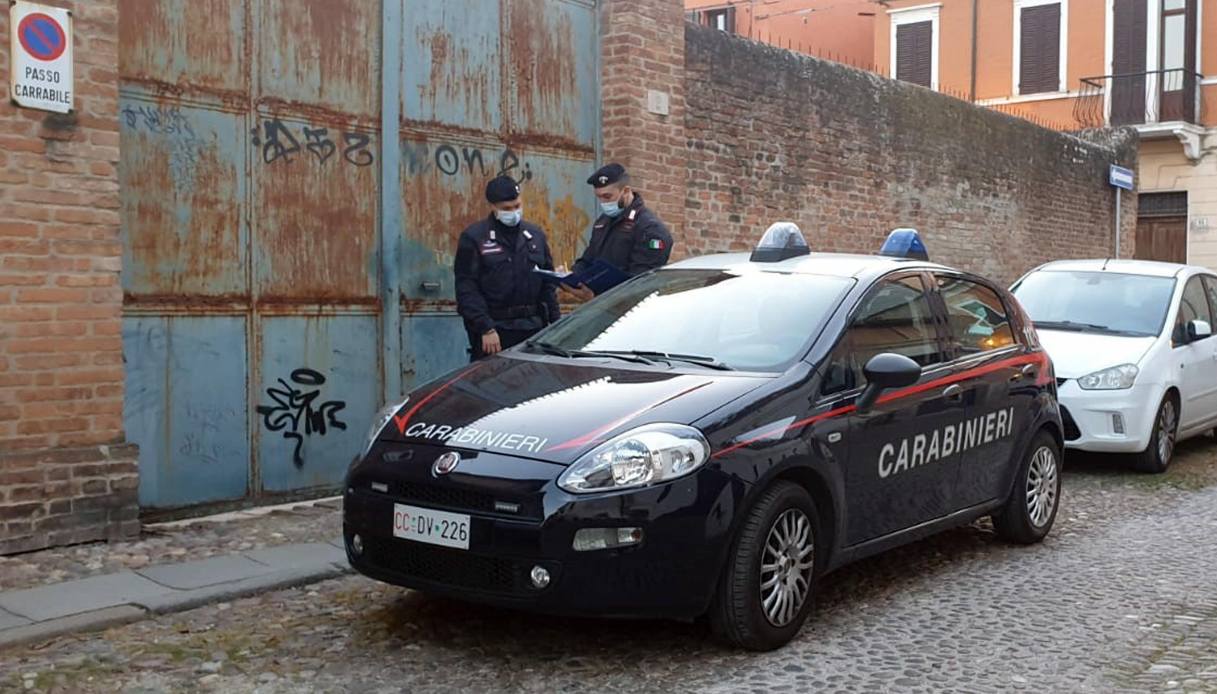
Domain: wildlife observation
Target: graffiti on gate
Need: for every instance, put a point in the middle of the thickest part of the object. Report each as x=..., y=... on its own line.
x=278, y=142
x=294, y=412
x=184, y=144
x=422, y=158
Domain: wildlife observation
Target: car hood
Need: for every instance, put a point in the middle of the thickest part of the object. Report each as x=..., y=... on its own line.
x=1075, y=354
x=555, y=409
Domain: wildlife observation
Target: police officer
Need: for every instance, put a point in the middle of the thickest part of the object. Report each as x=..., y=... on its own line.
x=502, y=301
x=627, y=234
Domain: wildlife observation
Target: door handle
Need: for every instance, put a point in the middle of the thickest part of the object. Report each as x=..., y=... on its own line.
x=953, y=392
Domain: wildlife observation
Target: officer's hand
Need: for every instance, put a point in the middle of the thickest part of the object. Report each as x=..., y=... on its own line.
x=491, y=343
x=576, y=295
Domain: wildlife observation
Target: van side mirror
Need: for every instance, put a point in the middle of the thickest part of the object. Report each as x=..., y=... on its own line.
x=1198, y=330
x=885, y=372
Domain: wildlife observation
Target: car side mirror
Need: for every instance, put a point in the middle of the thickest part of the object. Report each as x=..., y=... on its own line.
x=1198, y=330
x=884, y=372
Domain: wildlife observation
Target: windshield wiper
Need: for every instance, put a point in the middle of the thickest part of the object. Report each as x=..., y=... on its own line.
x=555, y=350
x=1071, y=325
x=699, y=360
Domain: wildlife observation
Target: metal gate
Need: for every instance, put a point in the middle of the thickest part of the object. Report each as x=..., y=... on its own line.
x=287, y=268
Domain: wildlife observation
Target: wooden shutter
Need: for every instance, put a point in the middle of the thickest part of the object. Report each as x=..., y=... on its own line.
x=1040, y=49
x=1131, y=25
x=915, y=53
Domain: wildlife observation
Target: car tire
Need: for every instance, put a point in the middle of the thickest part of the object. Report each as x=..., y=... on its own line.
x=766, y=589
x=1157, y=456
x=1030, y=511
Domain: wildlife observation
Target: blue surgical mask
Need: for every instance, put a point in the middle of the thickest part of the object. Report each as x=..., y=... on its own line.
x=611, y=209
x=511, y=218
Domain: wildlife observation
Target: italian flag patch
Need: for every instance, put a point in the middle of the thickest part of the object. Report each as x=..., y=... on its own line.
x=655, y=244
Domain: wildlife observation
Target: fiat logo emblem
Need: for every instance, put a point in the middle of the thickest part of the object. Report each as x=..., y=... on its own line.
x=446, y=463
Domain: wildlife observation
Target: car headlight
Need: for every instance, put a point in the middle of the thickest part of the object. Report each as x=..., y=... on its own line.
x=646, y=455
x=378, y=424
x=1115, y=378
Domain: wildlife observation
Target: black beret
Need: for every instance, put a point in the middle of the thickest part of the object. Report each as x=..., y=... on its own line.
x=502, y=189
x=606, y=175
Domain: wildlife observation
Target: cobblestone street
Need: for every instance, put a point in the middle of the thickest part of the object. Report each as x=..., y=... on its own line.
x=1121, y=597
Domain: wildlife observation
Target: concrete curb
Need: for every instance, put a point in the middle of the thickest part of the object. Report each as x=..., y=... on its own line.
x=100, y=602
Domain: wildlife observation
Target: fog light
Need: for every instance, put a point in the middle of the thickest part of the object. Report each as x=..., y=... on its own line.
x=539, y=576
x=1117, y=423
x=356, y=545
x=588, y=539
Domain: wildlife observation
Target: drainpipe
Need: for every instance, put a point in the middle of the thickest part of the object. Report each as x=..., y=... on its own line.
x=972, y=91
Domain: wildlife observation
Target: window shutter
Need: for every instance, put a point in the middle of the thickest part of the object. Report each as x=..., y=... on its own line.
x=1040, y=50
x=914, y=53
x=731, y=20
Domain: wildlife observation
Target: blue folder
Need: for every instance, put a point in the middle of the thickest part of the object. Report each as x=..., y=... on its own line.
x=599, y=276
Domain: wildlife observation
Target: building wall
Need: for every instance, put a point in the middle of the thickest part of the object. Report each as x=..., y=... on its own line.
x=1164, y=168
x=842, y=30
x=65, y=474
x=849, y=156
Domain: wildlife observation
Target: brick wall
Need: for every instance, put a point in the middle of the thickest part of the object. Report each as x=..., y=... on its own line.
x=64, y=474
x=849, y=156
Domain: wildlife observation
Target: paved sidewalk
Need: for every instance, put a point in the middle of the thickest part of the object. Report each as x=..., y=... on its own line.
x=101, y=601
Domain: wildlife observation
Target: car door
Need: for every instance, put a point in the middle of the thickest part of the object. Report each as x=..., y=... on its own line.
x=897, y=475
x=987, y=357
x=1195, y=359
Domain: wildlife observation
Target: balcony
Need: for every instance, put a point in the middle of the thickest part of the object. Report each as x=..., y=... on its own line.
x=1161, y=103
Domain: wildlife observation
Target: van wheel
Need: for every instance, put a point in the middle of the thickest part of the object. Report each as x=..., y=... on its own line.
x=1158, y=454
x=765, y=593
x=1030, y=511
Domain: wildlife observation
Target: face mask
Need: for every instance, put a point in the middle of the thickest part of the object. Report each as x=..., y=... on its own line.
x=613, y=208
x=511, y=218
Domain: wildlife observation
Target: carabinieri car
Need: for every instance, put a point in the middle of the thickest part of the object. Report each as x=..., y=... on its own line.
x=711, y=437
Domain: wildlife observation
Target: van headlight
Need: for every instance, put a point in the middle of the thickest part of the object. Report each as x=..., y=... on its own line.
x=1115, y=378
x=646, y=455
x=378, y=424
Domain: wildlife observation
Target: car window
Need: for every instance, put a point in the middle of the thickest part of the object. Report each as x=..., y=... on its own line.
x=1210, y=288
x=1096, y=301
x=976, y=316
x=895, y=317
x=1193, y=306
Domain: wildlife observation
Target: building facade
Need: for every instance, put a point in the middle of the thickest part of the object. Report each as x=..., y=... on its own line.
x=841, y=30
x=1077, y=64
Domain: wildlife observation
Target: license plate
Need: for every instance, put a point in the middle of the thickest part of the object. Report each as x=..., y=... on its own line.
x=431, y=526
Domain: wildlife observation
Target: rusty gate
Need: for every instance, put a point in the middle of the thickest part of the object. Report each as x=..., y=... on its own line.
x=294, y=176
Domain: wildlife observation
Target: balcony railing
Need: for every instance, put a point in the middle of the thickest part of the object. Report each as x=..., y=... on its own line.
x=1163, y=96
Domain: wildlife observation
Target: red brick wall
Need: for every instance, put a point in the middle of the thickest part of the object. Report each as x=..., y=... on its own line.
x=61, y=371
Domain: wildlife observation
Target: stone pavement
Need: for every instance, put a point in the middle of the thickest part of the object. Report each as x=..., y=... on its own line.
x=39, y=613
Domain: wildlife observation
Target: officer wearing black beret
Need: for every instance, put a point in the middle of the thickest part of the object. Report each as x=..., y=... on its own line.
x=502, y=301
x=627, y=234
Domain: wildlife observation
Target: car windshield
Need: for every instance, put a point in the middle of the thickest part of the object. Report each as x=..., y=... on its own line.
x=1102, y=302
x=751, y=320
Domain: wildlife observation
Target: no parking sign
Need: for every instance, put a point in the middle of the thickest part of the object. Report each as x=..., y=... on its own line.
x=41, y=45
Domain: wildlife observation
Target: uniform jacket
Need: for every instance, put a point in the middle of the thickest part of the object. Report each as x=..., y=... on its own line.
x=634, y=241
x=495, y=284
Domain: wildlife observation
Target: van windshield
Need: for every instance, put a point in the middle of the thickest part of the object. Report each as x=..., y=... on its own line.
x=1102, y=302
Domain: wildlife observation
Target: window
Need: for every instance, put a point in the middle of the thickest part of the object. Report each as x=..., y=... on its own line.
x=896, y=318
x=914, y=45
x=976, y=316
x=1193, y=306
x=723, y=19
x=1110, y=303
x=1040, y=45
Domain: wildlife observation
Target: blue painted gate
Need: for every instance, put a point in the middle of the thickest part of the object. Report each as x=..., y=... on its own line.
x=287, y=267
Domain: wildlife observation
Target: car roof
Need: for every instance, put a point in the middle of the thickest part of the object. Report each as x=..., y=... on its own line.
x=831, y=264
x=1152, y=268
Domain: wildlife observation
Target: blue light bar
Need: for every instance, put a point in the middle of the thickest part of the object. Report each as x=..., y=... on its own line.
x=904, y=243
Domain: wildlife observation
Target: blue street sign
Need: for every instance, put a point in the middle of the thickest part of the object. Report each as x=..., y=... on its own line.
x=1121, y=177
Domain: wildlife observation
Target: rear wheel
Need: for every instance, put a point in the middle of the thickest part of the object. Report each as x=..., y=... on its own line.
x=1030, y=511
x=765, y=593
x=1158, y=454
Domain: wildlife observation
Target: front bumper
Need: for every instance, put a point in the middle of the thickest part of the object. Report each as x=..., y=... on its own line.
x=1093, y=418
x=672, y=573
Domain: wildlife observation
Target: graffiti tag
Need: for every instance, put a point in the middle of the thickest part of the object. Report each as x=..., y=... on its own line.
x=421, y=158
x=294, y=412
x=279, y=143
x=184, y=144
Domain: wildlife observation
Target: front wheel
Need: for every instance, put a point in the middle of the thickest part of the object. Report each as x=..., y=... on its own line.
x=1030, y=511
x=1158, y=454
x=765, y=593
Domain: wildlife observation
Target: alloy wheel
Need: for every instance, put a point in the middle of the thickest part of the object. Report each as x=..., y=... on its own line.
x=1042, y=486
x=786, y=567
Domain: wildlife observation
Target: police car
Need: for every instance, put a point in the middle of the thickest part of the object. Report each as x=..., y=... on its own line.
x=711, y=437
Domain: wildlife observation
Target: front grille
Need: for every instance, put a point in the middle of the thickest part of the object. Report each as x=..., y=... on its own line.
x=1072, y=433
x=1061, y=381
x=447, y=497
x=451, y=567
